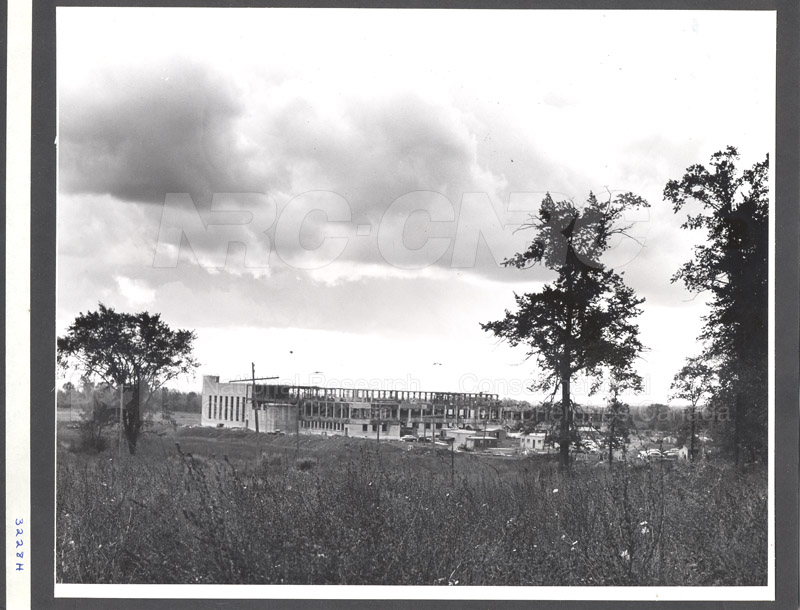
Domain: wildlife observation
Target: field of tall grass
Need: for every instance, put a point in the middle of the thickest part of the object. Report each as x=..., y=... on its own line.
x=222, y=506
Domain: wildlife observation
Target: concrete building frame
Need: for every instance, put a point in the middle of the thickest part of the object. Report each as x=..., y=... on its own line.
x=365, y=413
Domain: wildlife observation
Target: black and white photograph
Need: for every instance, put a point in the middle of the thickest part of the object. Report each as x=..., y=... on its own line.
x=414, y=303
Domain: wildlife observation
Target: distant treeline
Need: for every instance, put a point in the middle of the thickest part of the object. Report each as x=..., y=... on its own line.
x=655, y=417
x=167, y=399
x=185, y=402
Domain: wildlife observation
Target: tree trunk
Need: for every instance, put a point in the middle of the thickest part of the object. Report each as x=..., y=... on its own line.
x=566, y=408
x=611, y=440
x=566, y=374
x=565, y=423
x=132, y=419
x=738, y=411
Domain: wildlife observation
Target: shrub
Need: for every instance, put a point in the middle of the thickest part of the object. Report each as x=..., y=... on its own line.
x=353, y=513
x=306, y=464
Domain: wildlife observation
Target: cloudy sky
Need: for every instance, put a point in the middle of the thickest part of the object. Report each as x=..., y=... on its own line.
x=368, y=169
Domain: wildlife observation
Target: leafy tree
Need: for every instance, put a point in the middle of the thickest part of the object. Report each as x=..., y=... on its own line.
x=619, y=421
x=135, y=351
x=94, y=408
x=582, y=321
x=694, y=383
x=97, y=416
x=733, y=267
x=658, y=417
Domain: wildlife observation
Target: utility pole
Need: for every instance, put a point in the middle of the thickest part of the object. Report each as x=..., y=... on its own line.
x=485, y=422
x=253, y=397
x=255, y=409
x=452, y=461
x=300, y=404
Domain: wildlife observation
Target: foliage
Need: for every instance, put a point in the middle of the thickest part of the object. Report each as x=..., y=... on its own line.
x=92, y=410
x=582, y=321
x=98, y=415
x=139, y=352
x=694, y=383
x=346, y=512
x=619, y=422
x=184, y=402
x=733, y=267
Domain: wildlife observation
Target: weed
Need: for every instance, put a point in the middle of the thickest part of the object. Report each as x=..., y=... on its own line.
x=347, y=512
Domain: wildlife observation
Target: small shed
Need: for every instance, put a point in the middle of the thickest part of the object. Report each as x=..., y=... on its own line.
x=532, y=442
x=496, y=431
x=460, y=436
x=699, y=452
x=479, y=442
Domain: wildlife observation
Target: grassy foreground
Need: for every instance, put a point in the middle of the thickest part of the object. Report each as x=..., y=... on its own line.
x=344, y=511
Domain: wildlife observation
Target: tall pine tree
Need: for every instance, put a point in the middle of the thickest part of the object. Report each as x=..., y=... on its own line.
x=733, y=267
x=582, y=321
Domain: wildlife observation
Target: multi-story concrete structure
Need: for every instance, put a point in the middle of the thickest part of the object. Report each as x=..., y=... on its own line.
x=231, y=405
x=350, y=412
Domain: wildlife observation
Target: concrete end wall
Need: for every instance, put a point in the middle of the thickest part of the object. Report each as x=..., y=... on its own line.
x=273, y=418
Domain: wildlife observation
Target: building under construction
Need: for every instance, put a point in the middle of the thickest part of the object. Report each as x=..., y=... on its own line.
x=349, y=412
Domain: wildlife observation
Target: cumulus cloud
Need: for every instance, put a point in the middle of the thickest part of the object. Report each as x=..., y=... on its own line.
x=356, y=171
x=139, y=132
x=147, y=134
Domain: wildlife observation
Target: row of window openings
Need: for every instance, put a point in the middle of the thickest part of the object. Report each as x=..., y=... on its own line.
x=391, y=395
x=328, y=425
x=324, y=410
x=322, y=425
x=229, y=411
x=427, y=425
